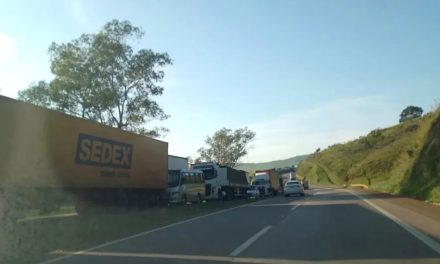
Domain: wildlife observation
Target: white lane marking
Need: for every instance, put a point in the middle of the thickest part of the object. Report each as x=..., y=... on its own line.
x=293, y=208
x=268, y=205
x=45, y=217
x=249, y=242
x=265, y=199
x=419, y=235
x=205, y=258
x=148, y=255
x=144, y=233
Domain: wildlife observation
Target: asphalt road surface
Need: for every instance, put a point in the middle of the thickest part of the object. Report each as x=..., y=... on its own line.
x=327, y=225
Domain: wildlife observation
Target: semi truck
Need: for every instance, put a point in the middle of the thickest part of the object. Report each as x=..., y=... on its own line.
x=44, y=152
x=222, y=182
x=267, y=181
x=287, y=174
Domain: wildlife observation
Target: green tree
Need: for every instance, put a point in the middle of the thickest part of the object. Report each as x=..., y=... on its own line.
x=100, y=77
x=410, y=112
x=38, y=94
x=226, y=146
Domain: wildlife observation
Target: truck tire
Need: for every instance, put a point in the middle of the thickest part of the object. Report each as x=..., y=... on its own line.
x=164, y=199
x=229, y=194
x=199, y=198
x=184, y=199
x=273, y=192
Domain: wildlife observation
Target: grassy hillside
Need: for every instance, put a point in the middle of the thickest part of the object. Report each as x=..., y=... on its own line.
x=403, y=159
x=271, y=164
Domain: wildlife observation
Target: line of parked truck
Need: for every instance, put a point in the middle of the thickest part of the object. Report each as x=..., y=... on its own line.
x=44, y=152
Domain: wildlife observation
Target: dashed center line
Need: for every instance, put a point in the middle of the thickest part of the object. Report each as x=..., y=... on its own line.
x=293, y=208
x=249, y=242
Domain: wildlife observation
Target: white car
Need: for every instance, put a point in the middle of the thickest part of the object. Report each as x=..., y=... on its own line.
x=253, y=191
x=293, y=187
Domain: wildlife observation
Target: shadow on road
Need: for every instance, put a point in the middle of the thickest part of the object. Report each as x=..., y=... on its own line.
x=343, y=194
x=347, y=233
x=339, y=232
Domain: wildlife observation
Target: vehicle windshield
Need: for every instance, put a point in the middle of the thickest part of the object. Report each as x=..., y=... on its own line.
x=209, y=174
x=292, y=183
x=261, y=182
x=173, y=178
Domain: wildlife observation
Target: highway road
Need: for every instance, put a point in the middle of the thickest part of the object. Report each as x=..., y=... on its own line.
x=327, y=225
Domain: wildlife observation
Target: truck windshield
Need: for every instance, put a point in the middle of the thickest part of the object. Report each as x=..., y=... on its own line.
x=173, y=178
x=260, y=182
x=209, y=174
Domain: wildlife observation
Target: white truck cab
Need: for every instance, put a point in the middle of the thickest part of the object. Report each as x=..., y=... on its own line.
x=261, y=181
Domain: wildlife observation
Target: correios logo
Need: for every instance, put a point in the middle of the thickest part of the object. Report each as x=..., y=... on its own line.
x=103, y=152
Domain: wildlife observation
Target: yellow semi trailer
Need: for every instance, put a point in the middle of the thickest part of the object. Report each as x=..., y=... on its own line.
x=45, y=150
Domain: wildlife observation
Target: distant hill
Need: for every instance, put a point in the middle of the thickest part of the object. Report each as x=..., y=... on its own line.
x=271, y=164
x=403, y=159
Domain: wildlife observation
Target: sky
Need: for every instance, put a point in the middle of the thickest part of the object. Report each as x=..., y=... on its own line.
x=301, y=74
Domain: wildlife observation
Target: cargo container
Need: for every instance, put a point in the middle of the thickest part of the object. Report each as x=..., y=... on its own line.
x=45, y=150
x=222, y=181
x=177, y=163
x=267, y=181
x=287, y=174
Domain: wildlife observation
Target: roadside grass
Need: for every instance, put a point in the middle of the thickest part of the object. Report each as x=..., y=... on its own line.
x=315, y=174
x=67, y=209
x=34, y=240
x=434, y=195
x=402, y=159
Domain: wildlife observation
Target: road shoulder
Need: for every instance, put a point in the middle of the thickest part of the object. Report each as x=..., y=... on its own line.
x=423, y=221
